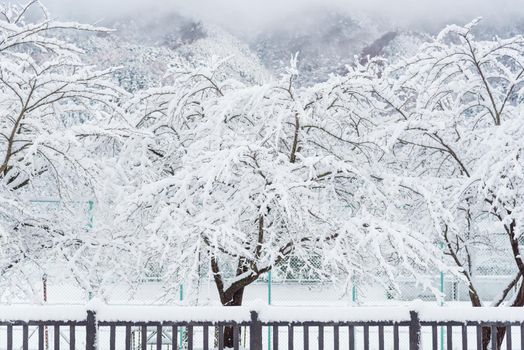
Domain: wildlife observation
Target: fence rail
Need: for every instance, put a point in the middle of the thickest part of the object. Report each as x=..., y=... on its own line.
x=192, y=328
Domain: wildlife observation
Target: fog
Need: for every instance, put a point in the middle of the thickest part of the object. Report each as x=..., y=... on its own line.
x=246, y=16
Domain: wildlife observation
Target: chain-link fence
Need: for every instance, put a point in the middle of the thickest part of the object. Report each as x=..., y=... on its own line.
x=294, y=283
x=493, y=271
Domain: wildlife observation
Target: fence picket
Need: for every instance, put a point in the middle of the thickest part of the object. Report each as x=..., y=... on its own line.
x=25, y=337
x=275, y=337
x=290, y=337
x=174, y=337
x=509, y=345
x=434, y=337
x=396, y=337
x=381, y=337
x=112, y=337
x=366, y=337
x=336, y=338
x=206, y=337
x=128, y=337
x=143, y=338
x=56, y=332
x=41, y=332
x=493, y=338
x=221, y=338
x=320, y=337
x=9, y=337
x=306, y=338
x=351, y=337
x=158, y=337
x=464, y=337
x=479, y=338
x=72, y=338
x=189, y=332
x=449, y=337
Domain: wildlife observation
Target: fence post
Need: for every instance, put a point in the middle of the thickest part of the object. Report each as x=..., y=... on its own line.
x=91, y=330
x=414, y=331
x=255, y=332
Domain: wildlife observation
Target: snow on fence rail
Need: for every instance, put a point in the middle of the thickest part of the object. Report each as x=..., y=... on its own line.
x=97, y=326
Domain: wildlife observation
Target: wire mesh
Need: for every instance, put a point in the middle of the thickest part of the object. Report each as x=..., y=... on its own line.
x=293, y=283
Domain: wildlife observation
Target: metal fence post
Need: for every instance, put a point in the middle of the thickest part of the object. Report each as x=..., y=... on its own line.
x=255, y=332
x=91, y=330
x=414, y=331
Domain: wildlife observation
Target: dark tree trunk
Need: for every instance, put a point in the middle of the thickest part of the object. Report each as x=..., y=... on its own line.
x=501, y=331
x=228, y=331
x=519, y=298
x=486, y=337
x=486, y=331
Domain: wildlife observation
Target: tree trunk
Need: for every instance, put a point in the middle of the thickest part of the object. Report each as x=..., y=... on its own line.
x=518, y=302
x=519, y=298
x=475, y=302
x=486, y=337
x=228, y=330
x=501, y=331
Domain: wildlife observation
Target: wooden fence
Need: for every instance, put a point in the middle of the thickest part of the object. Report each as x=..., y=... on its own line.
x=145, y=328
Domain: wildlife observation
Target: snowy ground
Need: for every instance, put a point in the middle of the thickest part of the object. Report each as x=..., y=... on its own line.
x=289, y=293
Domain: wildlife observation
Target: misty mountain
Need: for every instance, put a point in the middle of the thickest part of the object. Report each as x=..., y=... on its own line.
x=326, y=41
x=149, y=49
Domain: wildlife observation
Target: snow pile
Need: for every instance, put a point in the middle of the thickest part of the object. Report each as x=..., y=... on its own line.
x=26, y=313
x=173, y=313
x=333, y=314
x=471, y=314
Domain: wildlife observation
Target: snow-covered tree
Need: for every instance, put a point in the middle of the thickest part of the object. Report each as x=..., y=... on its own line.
x=213, y=173
x=238, y=179
x=455, y=128
x=54, y=110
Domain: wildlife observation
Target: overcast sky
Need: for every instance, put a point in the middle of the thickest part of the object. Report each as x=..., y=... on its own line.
x=246, y=15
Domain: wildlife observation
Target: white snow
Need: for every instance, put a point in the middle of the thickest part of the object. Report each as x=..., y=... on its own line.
x=333, y=314
x=464, y=313
x=266, y=313
x=40, y=313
